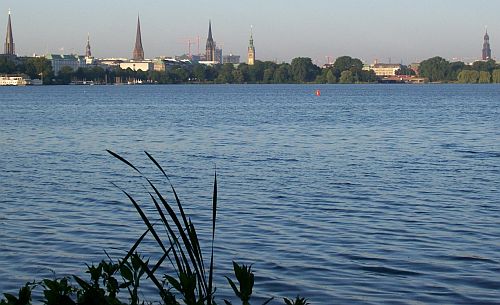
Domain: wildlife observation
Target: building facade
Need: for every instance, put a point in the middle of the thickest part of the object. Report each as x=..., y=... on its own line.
x=486, y=47
x=9, y=47
x=144, y=66
x=60, y=61
x=231, y=59
x=383, y=70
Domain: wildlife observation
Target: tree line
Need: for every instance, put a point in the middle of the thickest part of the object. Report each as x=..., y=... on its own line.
x=301, y=70
x=438, y=69
x=345, y=70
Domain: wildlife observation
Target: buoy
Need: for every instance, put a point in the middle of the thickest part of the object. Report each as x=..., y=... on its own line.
x=318, y=92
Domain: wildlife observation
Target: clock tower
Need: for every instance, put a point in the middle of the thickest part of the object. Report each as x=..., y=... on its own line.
x=251, y=50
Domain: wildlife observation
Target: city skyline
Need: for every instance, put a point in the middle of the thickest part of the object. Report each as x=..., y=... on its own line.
x=115, y=36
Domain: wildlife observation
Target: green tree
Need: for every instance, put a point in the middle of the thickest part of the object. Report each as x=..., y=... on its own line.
x=344, y=63
x=405, y=70
x=468, y=77
x=484, y=77
x=346, y=77
x=7, y=66
x=238, y=77
x=435, y=69
x=454, y=69
x=303, y=70
x=199, y=72
x=488, y=66
x=268, y=75
x=367, y=76
x=330, y=77
x=65, y=75
x=97, y=74
x=181, y=74
x=282, y=74
x=39, y=67
x=256, y=72
x=226, y=74
x=245, y=71
x=496, y=76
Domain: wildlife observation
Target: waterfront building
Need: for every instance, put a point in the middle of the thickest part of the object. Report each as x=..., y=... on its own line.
x=111, y=62
x=164, y=63
x=138, y=53
x=144, y=65
x=9, y=47
x=71, y=60
x=251, y=50
x=231, y=59
x=210, y=49
x=486, y=47
x=383, y=70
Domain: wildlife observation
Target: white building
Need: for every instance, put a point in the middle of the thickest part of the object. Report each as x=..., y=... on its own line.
x=144, y=66
x=72, y=61
x=383, y=69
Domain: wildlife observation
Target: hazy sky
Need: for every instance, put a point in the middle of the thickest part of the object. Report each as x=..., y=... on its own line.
x=407, y=30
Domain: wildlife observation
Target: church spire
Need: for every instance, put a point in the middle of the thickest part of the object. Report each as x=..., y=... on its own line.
x=210, y=30
x=210, y=48
x=486, y=46
x=9, y=39
x=88, y=52
x=138, y=53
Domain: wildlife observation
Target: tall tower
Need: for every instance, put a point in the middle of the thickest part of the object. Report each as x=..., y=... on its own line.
x=210, y=49
x=88, y=52
x=251, y=50
x=138, y=50
x=9, y=39
x=486, y=47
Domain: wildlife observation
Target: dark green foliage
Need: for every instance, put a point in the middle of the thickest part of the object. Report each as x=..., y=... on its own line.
x=103, y=286
x=344, y=63
x=24, y=297
x=245, y=278
x=7, y=66
x=298, y=301
x=435, y=69
x=58, y=292
x=303, y=70
x=486, y=66
x=404, y=70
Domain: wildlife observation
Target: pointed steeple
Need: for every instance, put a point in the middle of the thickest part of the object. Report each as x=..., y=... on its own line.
x=138, y=53
x=210, y=30
x=9, y=39
x=88, y=52
x=486, y=46
x=210, y=48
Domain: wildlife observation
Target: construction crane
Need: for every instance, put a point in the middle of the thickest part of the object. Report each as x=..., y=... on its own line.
x=190, y=42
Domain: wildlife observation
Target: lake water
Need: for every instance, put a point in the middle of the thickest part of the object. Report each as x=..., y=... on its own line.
x=368, y=194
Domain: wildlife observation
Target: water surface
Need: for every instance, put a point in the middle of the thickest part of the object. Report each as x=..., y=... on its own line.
x=366, y=195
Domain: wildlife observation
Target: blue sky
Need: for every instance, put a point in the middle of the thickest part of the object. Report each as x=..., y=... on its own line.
x=399, y=30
